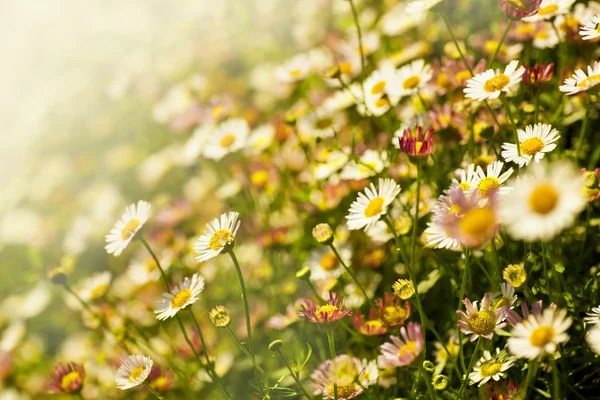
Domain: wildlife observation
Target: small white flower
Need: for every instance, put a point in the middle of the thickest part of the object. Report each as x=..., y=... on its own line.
x=293, y=70
x=491, y=84
x=133, y=372
x=591, y=29
x=369, y=164
x=534, y=142
x=492, y=179
x=125, y=229
x=371, y=205
x=593, y=317
x=580, y=82
x=491, y=367
x=229, y=136
x=219, y=233
x=95, y=287
x=549, y=9
x=421, y=5
x=593, y=339
x=411, y=78
x=181, y=297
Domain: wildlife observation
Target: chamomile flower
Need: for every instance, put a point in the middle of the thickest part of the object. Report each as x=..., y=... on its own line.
x=401, y=352
x=539, y=334
x=544, y=201
x=329, y=313
x=439, y=237
x=507, y=297
x=219, y=234
x=379, y=82
x=491, y=367
x=580, y=81
x=421, y=5
x=324, y=265
x=467, y=178
x=125, y=229
x=480, y=321
x=492, y=179
x=411, y=78
x=229, y=136
x=319, y=123
x=67, y=377
x=534, y=142
x=343, y=373
x=143, y=268
x=370, y=163
x=181, y=297
x=593, y=317
x=260, y=138
x=294, y=69
x=133, y=372
x=593, y=339
x=95, y=287
x=491, y=84
x=371, y=205
x=549, y=9
x=545, y=37
x=591, y=29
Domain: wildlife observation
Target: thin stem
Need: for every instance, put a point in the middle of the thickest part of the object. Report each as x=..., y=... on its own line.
x=471, y=365
x=461, y=297
x=583, y=129
x=512, y=122
x=245, y=296
x=555, y=379
x=84, y=304
x=296, y=377
x=189, y=342
x=439, y=338
x=162, y=272
x=497, y=258
x=537, y=106
x=416, y=219
x=531, y=374
x=257, y=367
x=462, y=56
x=354, y=278
x=360, y=45
x=588, y=215
x=427, y=380
x=491, y=61
x=331, y=341
x=154, y=392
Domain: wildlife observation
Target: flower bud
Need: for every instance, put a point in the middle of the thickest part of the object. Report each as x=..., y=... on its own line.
x=590, y=179
x=515, y=275
x=440, y=382
x=323, y=233
x=303, y=274
x=56, y=274
x=404, y=289
x=220, y=317
x=276, y=345
x=428, y=366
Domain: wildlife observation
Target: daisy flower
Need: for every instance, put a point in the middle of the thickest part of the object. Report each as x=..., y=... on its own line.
x=143, y=269
x=229, y=136
x=368, y=327
x=370, y=163
x=467, y=178
x=491, y=367
x=538, y=74
x=492, y=180
x=491, y=84
x=417, y=145
x=593, y=317
x=219, y=234
x=580, y=82
x=439, y=238
x=513, y=318
x=591, y=29
x=480, y=321
x=540, y=334
x=133, y=372
x=324, y=265
x=344, y=372
x=333, y=311
x=392, y=310
x=518, y=9
x=294, y=69
x=401, y=352
x=593, y=339
x=544, y=201
x=319, y=124
x=369, y=207
x=260, y=138
x=507, y=297
x=549, y=9
x=379, y=83
x=181, y=297
x=67, y=377
x=131, y=222
x=411, y=78
x=545, y=37
x=421, y=5
x=95, y=287
x=534, y=142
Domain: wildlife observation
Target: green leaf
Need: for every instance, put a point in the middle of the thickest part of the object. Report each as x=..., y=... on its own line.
x=308, y=354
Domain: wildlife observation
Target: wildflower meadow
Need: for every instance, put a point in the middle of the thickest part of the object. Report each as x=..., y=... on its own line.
x=333, y=199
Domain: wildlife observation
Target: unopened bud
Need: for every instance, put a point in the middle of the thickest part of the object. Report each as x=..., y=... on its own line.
x=56, y=274
x=428, y=366
x=440, y=382
x=220, y=317
x=404, y=289
x=590, y=179
x=303, y=274
x=276, y=345
x=323, y=233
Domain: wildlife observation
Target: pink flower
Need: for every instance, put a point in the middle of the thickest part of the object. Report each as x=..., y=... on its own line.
x=67, y=377
x=481, y=322
x=418, y=144
x=536, y=309
x=517, y=9
x=331, y=312
x=346, y=371
x=402, y=352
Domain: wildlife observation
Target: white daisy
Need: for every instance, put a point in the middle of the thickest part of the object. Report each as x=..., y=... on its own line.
x=549, y=9
x=593, y=339
x=591, y=29
x=369, y=164
x=181, y=297
x=371, y=205
x=125, y=229
x=539, y=334
x=219, y=234
x=467, y=178
x=319, y=123
x=507, y=297
x=534, y=142
x=491, y=367
x=543, y=202
x=491, y=84
x=95, y=286
x=439, y=237
x=546, y=37
x=353, y=295
x=380, y=82
x=133, y=372
x=260, y=138
x=580, y=82
x=332, y=162
x=375, y=106
x=593, y=317
x=421, y=5
x=229, y=136
x=370, y=372
x=143, y=268
x=411, y=78
x=492, y=179
x=324, y=265
x=294, y=69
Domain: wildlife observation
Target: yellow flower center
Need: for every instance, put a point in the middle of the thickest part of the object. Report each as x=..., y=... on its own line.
x=543, y=34
x=375, y=207
x=130, y=228
x=220, y=238
x=597, y=28
x=532, y=146
x=455, y=209
x=150, y=265
x=496, y=83
x=344, y=391
x=477, y=223
x=227, y=140
x=490, y=368
x=443, y=355
x=589, y=81
x=411, y=82
x=323, y=123
x=548, y=9
x=443, y=81
x=418, y=146
x=483, y=322
x=394, y=315
x=136, y=374
x=259, y=178
x=381, y=102
x=501, y=302
x=327, y=309
x=369, y=326
x=181, y=298
x=378, y=87
x=160, y=383
x=518, y=4
x=67, y=381
x=490, y=47
x=346, y=67
x=409, y=347
x=525, y=29
x=463, y=76
x=294, y=73
x=98, y=291
x=465, y=186
x=329, y=261
x=486, y=184
x=541, y=336
x=543, y=199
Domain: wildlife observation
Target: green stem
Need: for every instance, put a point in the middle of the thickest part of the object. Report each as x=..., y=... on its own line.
x=461, y=297
x=245, y=296
x=491, y=61
x=296, y=377
x=498, y=269
x=531, y=374
x=360, y=45
x=162, y=272
x=555, y=379
x=512, y=122
x=471, y=365
x=349, y=271
x=583, y=129
x=588, y=215
x=257, y=367
x=439, y=339
x=427, y=380
x=537, y=106
x=154, y=392
x=189, y=342
x=331, y=341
